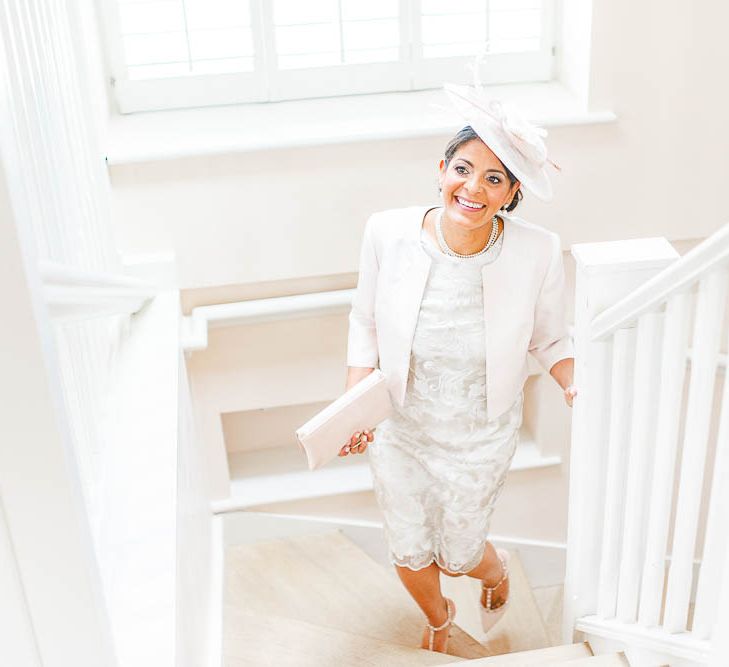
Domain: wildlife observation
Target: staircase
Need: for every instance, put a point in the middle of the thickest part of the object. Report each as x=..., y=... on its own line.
x=321, y=600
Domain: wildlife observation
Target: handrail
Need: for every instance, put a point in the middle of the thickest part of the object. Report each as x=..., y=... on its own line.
x=709, y=254
x=253, y=311
x=72, y=293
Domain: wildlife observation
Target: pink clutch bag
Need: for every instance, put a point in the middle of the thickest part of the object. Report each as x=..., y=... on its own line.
x=364, y=406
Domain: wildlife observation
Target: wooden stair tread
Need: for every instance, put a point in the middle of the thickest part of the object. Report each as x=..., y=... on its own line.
x=605, y=660
x=542, y=656
x=326, y=580
x=265, y=639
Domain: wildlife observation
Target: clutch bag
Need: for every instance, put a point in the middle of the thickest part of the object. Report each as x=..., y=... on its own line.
x=363, y=406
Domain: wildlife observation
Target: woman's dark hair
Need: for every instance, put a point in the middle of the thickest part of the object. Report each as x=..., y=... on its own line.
x=469, y=134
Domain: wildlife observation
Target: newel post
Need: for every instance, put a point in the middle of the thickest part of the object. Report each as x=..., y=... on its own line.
x=606, y=272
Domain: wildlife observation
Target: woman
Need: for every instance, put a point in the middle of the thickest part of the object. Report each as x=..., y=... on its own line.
x=449, y=301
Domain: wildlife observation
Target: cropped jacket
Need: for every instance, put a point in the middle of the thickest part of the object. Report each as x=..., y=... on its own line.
x=523, y=302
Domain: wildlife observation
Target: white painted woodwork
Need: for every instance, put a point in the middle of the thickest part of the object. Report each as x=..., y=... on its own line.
x=137, y=546
x=278, y=474
x=199, y=553
x=606, y=273
x=53, y=138
x=261, y=310
x=645, y=376
x=720, y=652
x=672, y=372
x=89, y=388
x=696, y=263
x=680, y=649
x=621, y=401
x=662, y=309
x=711, y=303
x=78, y=294
x=715, y=562
x=17, y=643
x=255, y=369
x=589, y=427
x=47, y=520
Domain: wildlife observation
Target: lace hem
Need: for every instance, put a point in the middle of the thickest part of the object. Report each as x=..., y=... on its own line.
x=421, y=561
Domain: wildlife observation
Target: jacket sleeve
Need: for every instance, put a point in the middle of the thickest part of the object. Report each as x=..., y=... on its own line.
x=362, y=341
x=550, y=340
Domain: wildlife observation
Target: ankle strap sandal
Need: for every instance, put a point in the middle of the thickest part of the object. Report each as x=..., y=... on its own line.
x=432, y=629
x=490, y=616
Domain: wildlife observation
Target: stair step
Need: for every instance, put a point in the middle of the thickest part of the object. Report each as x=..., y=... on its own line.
x=326, y=580
x=522, y=626
x=266, y=639
x=542, y=656
x=605, y=660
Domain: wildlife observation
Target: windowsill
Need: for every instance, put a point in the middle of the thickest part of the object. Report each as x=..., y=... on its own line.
x=170, y=135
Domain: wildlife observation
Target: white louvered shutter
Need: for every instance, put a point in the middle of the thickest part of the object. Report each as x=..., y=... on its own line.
x=179, y=53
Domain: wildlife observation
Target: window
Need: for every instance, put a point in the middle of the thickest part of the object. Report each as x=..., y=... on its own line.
x=182, y=53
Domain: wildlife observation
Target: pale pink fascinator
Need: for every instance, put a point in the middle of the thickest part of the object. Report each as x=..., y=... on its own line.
x=518, y=143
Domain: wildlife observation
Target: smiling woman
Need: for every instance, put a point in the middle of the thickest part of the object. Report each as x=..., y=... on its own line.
x=450, y=300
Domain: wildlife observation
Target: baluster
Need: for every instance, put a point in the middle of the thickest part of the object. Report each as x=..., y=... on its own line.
x=716, y=547
x=705, y=344
x=673, y=371
x=719, y=645
x=642, y=442
x=621, y=389
x=589, y=433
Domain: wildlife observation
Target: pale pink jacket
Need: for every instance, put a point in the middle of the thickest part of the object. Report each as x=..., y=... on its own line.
x=523, y=298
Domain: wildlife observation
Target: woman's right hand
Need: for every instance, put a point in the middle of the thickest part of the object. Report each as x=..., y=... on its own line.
x=358, y=442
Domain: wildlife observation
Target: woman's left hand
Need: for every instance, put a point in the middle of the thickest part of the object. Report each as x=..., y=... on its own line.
x=569, y=394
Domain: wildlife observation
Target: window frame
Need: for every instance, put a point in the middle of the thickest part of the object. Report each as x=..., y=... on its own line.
x=266, y=83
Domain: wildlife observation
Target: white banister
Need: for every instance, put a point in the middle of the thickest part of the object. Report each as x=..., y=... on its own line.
x=673, y=368
x=713, y=252
x=621, y=400
x=606, y=273
x=65, y=467
x=674, y=317
x=706, y=335
x=72, y=293
x=646, y=373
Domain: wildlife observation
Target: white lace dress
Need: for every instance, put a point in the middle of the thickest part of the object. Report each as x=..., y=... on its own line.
x=438, y=463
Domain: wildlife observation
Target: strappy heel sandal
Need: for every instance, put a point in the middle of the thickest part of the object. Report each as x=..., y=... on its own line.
x=432, y=629
x=489, y=616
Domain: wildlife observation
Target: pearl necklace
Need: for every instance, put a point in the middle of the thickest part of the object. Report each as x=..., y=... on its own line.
x=448, y=251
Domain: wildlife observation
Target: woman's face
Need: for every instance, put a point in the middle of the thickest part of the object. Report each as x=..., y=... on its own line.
x=474, y=185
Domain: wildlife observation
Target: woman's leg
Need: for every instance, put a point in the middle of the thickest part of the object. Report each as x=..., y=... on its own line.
x=424, y=586
x=490, y=571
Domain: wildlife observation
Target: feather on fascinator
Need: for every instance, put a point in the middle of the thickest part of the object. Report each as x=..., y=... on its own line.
x=517, y=142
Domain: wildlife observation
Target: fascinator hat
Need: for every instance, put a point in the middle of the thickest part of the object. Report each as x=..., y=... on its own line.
x=518, y=143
